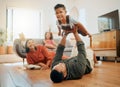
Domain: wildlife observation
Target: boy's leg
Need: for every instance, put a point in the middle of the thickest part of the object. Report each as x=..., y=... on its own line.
x=80, y=32
x=81, y=29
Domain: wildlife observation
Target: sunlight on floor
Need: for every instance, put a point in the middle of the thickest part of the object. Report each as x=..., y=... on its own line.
x=13, y=64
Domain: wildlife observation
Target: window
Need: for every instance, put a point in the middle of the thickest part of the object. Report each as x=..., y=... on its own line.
x=23, y=21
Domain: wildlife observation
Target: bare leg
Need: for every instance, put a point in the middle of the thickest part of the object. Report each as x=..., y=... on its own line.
x=95, y=60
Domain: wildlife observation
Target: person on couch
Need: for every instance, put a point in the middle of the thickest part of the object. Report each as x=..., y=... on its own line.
x=39, y=55
x=49, y=42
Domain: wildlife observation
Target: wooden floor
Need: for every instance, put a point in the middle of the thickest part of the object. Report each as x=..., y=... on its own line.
x=15, y=75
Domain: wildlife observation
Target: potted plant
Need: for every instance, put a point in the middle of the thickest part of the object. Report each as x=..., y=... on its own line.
x=2, y=41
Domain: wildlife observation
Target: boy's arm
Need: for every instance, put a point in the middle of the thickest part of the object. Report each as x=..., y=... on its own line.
x=63, y=40
x=59, y=31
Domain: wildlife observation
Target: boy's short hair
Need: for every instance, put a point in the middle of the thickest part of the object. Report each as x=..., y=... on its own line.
x=59, y=6
x=56, y=76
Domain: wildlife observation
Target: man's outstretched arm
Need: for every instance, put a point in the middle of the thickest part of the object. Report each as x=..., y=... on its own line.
x=59, y=51
x=65, y=34
x=76, y=35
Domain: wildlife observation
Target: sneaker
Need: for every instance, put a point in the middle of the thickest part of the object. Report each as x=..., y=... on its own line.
x=98, y=63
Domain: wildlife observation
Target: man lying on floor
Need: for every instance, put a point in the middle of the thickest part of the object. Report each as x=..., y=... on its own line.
x=72, y=68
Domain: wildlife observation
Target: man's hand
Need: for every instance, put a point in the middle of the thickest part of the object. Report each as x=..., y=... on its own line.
x=74, y=30
x=66, y=32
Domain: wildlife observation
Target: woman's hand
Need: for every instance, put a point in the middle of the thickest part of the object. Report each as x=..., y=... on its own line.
x=44, y=67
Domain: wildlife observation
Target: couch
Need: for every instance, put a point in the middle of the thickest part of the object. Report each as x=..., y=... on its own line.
x=19, y=47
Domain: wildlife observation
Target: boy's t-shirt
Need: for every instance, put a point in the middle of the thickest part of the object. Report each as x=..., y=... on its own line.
x=67, y=26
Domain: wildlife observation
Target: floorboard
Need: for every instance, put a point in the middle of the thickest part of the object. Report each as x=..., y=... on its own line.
x=15, y=75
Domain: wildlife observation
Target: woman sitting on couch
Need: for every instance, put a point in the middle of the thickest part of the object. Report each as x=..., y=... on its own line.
x=39, y=55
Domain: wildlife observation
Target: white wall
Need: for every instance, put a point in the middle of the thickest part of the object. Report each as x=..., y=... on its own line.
x=2, y=14
x=94, y=8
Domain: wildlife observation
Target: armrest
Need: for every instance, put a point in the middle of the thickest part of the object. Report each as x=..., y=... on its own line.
x=21, y=53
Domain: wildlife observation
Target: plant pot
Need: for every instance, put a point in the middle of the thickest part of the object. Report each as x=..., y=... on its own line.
x=2, y=50
x=9, y=49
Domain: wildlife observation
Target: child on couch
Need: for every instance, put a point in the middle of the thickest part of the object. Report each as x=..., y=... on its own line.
x=49, y=42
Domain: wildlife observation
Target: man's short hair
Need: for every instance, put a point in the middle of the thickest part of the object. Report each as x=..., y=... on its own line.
x=56, y=76
x=59, y=6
